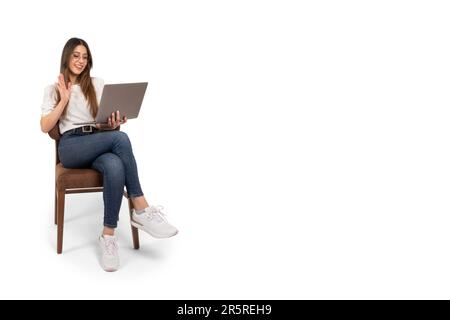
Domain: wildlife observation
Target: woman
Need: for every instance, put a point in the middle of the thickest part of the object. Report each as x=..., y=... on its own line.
x=75, y=99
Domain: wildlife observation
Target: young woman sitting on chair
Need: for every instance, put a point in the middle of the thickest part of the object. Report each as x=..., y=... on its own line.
x=74, y=99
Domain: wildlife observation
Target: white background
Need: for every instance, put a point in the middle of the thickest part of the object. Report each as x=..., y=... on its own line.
x=301, y=147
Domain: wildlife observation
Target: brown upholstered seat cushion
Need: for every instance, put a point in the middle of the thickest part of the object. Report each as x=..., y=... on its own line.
x=77, y=178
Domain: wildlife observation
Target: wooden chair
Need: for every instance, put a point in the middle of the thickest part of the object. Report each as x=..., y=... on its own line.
x=68, y=181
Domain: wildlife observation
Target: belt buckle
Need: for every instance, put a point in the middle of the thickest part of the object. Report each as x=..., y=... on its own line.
x=86, y=129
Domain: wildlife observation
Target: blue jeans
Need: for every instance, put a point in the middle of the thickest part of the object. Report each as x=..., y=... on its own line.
x=110, y=153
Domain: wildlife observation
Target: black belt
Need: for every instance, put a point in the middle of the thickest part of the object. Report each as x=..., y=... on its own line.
x=83, y=130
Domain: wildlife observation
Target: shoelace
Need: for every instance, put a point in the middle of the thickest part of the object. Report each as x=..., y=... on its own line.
x=156, y=213
x=110, y=246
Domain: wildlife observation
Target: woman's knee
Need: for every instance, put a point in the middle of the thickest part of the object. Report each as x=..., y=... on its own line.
x=119, y=135
x=122, y=139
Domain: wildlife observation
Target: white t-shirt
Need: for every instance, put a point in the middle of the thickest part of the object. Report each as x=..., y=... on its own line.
x=78, y=109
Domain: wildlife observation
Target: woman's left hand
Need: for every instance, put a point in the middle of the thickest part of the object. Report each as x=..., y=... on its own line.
x=113, y=122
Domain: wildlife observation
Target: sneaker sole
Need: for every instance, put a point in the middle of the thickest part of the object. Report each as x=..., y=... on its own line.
x=155, y=235
x=109, y=270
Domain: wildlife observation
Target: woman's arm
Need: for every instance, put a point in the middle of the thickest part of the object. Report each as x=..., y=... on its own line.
x=50, y=120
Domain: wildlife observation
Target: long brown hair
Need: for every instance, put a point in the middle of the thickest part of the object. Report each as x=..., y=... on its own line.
x=84, y=78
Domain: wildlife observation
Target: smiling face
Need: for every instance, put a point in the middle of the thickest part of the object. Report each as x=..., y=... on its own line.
x=76, y=62
x=79, y=60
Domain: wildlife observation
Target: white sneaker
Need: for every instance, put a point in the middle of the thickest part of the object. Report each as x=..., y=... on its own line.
x=154, y=222
x=110, y=253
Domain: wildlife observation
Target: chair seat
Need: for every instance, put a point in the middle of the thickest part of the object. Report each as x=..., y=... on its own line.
x=77, y=178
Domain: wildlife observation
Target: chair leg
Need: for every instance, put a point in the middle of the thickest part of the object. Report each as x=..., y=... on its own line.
x=56, y=210
x=134, y=231
x=60, y=219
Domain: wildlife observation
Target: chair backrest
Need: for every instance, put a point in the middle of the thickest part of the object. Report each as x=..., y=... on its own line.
x=55, y=135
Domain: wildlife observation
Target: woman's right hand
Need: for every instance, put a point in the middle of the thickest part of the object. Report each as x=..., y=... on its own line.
x=64, y=91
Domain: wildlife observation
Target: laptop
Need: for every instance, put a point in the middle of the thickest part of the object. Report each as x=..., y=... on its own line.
x=125, y=97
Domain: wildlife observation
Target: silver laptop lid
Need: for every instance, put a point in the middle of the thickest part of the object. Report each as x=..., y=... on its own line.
x=125, y=97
